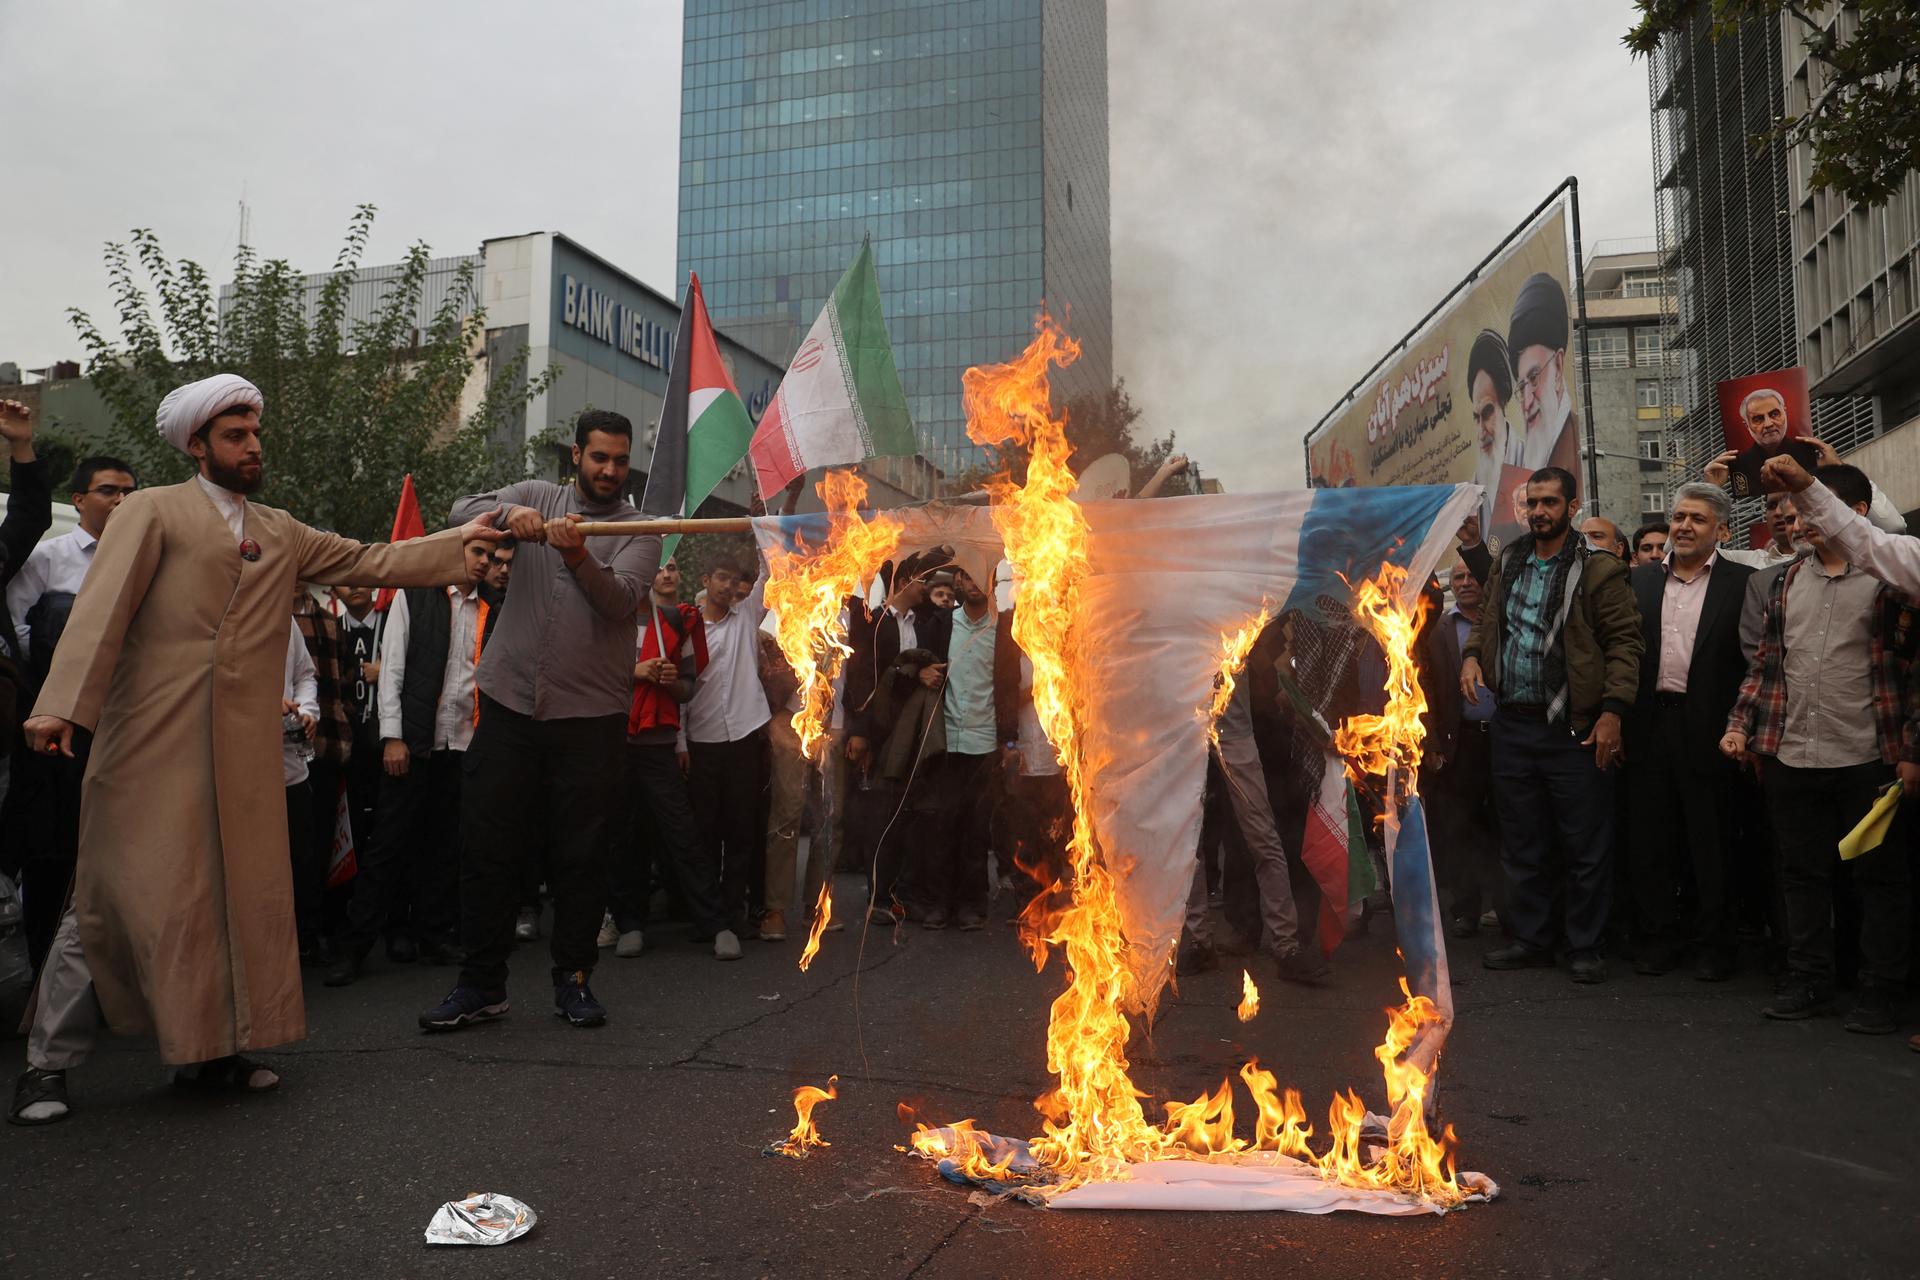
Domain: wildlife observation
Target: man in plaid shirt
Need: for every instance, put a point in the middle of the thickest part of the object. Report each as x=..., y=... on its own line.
x=1827, y=709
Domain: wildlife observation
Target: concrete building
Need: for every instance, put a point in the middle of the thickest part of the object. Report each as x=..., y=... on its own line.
x=1626, y=365
x=968, y=139
x=1764, y=273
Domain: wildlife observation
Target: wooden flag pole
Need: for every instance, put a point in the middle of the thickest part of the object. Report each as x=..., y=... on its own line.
x=637, y=528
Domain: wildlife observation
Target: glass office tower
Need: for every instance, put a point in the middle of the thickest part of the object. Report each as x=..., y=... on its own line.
x=967, y=137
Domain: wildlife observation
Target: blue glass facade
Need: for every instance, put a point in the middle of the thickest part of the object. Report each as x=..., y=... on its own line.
x=807, y=124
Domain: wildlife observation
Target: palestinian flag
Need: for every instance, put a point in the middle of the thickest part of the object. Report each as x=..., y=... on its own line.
x=406, y=524
x=841, y=401
x=1334, y=852
x=704, y=425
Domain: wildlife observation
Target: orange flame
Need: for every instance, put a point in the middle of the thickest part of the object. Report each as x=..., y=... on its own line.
x=805, y=1136
x=807, y=590
x=964, y=1142
x=1388, y=744
x=1093, y=1121
x=822, y=914
x=1249, y=997
x=1235, y=646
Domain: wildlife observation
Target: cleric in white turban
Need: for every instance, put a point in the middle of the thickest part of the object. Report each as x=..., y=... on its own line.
x=174, y=656
x=189, y=408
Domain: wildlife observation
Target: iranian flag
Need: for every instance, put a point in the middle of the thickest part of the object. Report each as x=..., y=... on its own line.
x=1334, y=852
x=704, y=425
x=841, y=401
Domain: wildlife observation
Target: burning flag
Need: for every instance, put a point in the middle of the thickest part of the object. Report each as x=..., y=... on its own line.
x=822, y=915
x=841, y=401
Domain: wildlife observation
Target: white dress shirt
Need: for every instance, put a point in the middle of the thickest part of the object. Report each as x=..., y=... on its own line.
x=58, y=564
x=1894, y=558
x=232, y=507
x=301, y=686
x=730, y=702
x=453, y=717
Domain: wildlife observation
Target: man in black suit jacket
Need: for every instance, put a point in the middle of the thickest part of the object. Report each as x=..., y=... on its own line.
x=1680, y=784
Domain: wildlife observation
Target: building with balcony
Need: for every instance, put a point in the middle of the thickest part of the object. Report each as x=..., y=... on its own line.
x=1627, y=371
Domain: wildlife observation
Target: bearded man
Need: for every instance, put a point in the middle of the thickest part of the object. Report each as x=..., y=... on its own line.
x=182, y=921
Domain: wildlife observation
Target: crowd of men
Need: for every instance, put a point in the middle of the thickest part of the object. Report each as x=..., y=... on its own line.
x=1647, y=745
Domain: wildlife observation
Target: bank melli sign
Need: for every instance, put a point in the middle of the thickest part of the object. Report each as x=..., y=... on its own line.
x=601, y=316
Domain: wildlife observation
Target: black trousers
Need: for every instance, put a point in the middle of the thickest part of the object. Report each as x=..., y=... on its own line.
x=1681, y=823
x=525, y=782
x=307, y=886
x=724, y=782
x=953, y=824
x=1466, y=841
x=413, y=855
x=1812, y=809
x=659, y=831
x=42, y=815
x=1039, y=827
x=1556, y=827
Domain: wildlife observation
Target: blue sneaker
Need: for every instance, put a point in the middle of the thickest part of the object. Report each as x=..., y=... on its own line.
x=573, y=1001
x=463, y=1005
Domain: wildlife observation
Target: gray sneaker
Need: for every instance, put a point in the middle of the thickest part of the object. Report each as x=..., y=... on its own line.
x=726, y=946
x=630, y=944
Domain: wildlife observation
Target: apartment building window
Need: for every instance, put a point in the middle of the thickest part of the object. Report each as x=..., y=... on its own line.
x=1650, y=448
x=1607, y=348
x=1640, y=284
x=1653, y=502
x=1646, y=393
x=1647, y=346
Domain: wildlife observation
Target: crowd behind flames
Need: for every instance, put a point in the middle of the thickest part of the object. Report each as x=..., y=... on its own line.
x=1641, y=748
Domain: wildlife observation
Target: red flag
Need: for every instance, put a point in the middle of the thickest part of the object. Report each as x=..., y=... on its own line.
x=406, y=524
x=342, y=863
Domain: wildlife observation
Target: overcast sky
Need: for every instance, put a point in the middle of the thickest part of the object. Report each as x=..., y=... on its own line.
x=1295, y=181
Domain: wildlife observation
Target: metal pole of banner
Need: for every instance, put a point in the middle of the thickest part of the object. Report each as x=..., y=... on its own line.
x=1567, y=184
x=1586, y=367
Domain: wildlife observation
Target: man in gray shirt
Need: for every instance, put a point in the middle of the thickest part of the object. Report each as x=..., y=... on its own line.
x=555, y=681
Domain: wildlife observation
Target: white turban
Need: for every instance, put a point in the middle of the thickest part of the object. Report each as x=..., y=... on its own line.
x=189, y=408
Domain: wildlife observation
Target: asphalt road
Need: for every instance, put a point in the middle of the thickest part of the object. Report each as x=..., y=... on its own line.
x=1645, y=1127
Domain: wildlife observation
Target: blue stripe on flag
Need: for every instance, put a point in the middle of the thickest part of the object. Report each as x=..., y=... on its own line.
x=1349, y=531
x=1416, y=910
x=789, y=533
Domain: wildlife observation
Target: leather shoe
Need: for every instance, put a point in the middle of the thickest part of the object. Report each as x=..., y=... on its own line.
x=344, y=972
x=1518, y=955
x=1588, y=968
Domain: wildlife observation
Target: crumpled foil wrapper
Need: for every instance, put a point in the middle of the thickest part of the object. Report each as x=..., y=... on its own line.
x=485, y=1217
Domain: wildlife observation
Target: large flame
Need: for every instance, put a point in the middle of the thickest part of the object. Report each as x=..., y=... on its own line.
x=1094, y=1124
x=1388, y=744
x=806, y=590
x=1235, y=647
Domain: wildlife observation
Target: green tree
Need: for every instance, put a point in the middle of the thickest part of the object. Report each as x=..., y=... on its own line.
x=1864, y=123
x=351, y=407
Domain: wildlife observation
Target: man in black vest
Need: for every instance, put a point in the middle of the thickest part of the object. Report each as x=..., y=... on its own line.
x=1679, y=785
x=427, y=706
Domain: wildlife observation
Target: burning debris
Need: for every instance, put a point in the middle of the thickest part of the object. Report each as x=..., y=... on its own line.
x=822, y=916
x=1249, y=998
x=800, y=1143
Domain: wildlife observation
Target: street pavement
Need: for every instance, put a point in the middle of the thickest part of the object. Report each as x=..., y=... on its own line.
x=1647, y=1127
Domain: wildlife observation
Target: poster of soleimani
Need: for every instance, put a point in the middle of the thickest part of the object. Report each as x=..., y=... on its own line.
x=1486, y=392
x=1762, y=415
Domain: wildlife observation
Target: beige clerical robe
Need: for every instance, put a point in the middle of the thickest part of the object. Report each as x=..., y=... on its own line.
x=173, y=656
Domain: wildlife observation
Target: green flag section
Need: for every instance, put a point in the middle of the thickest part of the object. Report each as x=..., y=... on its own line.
x=841, y=401
x=704, y=425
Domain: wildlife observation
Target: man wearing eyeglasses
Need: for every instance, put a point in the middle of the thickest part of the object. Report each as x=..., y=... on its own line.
x=60, y=564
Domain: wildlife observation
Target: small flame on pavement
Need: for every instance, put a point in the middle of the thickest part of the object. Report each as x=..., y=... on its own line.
x=822, y=914
x=1249, y=997
x=805, y=1136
